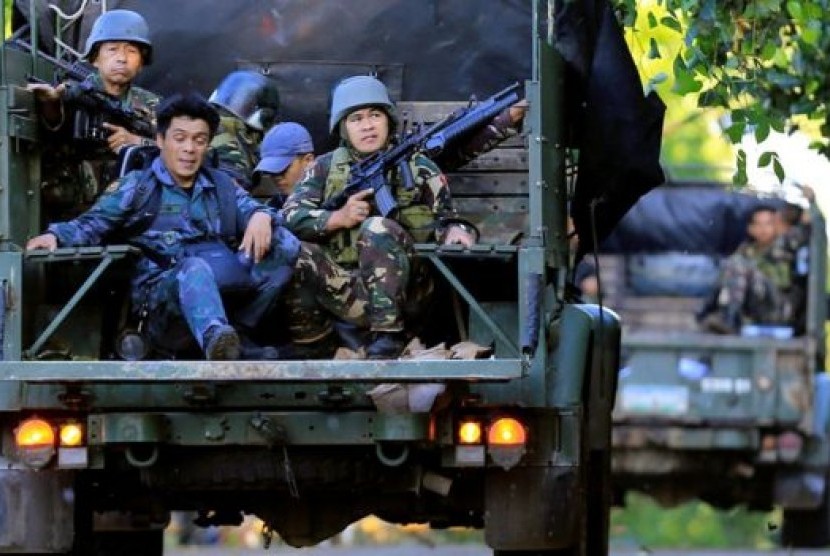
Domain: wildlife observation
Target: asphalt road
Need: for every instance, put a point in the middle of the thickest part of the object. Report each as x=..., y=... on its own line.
x=451, y=550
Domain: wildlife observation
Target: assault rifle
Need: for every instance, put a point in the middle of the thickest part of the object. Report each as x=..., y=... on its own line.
x=95, y=105
x=370, y=172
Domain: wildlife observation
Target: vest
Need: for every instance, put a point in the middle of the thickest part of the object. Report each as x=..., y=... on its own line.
x=416, y=217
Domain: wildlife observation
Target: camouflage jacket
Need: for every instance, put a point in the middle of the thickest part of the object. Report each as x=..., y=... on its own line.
x=235, y=149
x=139, y=100
x=188, y=217
x=499, y=129
x=421, y=209
x=775, y=261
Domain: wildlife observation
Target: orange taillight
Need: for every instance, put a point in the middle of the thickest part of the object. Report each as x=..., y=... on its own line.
x=469, y=432
x=71, y=434
x=506, y=431
x=34, y=433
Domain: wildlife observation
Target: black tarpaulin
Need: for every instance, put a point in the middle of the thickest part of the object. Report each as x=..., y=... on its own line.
x=617, y=129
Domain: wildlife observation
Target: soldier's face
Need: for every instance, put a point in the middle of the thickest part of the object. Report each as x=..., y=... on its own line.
x=118, y=62
x=367, y=129
x=286, y=180
x=762, y=227
x=183, y=148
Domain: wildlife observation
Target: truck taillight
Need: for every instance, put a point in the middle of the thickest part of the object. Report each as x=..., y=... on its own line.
x=469, y=432
x=35, y=440
x=789, y=446
x=71, y=434
x=34, y=433
x=506, y=431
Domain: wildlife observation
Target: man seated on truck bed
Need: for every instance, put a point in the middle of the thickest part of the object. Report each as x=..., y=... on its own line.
x=756, y=282
x=355, y=264
x=206, y=242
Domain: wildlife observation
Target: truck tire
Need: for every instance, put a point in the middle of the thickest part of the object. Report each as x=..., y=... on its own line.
x=128, y=543
x=807, y=528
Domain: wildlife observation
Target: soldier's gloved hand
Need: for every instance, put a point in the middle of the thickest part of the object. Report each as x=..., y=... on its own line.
x=459, y=235
x=120, y=137
x=43, y=241
x=45, y=92
x=257, y=239
x=356, y=210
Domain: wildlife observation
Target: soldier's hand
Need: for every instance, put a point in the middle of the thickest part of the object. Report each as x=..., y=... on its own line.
x=257, y=239
x=356, y=210
x=43, y=241
x=518, y=110
x=459, y=235
x=120, y=137
x=45, y=92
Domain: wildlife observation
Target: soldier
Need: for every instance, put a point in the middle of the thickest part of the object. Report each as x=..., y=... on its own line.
x=119, y=47
x=286, y=152
x=197, y=217
x=248, y=104
x=755, y=281
x=356, y=264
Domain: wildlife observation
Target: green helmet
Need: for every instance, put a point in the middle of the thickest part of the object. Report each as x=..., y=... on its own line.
x=120, y=25
x=356, y=92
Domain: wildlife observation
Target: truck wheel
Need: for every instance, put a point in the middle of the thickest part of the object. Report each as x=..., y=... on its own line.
x=808, y=528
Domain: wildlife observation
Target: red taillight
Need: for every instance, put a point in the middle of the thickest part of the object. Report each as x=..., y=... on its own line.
x=34, y=433
x=506, y=431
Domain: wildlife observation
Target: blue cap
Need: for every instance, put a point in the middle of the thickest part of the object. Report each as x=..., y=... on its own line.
x=281, y=145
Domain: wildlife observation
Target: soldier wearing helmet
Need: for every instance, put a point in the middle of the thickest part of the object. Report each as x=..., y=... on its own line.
x=119, y=47
x=356, y=265
x=248, y=104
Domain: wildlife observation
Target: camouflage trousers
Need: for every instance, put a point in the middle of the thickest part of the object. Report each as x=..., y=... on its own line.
x=184, y=301
x=373, y=296
x=756, y=297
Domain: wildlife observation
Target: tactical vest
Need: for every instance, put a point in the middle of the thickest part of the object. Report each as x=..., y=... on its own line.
x=417, y=218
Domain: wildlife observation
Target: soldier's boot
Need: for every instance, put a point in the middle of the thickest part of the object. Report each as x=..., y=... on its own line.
x=222, y=343
x=386, y=345
x=723, y=321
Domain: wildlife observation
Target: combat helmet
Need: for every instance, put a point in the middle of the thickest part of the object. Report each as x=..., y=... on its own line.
x=356, y=92
x=250, y=96
x=120, y=25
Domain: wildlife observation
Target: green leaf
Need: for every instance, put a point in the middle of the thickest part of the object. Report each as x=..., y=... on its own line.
x=653, y=51
x=778, y=169
x=761, y=132
x=740, y=178
x=768, y=50
x=735, y=132
x=671, y=23
x=795, y=10
x=765, y=159
x=652, y=20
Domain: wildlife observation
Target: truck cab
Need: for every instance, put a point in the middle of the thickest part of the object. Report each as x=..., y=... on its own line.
x=731, y=419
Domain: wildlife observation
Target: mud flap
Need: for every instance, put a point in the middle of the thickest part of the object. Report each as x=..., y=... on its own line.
x=532, y=508
x=36, y=512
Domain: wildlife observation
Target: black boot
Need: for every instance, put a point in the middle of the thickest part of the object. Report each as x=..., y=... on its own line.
x=386, y=345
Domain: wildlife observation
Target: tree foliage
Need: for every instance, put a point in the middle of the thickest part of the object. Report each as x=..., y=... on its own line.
x=765, y=61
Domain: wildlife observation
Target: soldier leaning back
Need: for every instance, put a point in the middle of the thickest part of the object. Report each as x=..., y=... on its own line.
x=177, y=290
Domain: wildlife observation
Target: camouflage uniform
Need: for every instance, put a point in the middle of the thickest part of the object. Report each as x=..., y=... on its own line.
x=366, y=274
x=498, y=130
x=101, y=169
x=185, y=292
x=756, y=283
x=235, y=149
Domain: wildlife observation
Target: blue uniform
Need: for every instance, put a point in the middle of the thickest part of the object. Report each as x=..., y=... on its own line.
x=185, y=292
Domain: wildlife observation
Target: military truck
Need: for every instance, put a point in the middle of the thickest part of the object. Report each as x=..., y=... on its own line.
x=98, y=450
x=736, y=419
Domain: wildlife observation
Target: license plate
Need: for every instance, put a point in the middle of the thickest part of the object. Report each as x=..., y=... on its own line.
x=650, y=399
